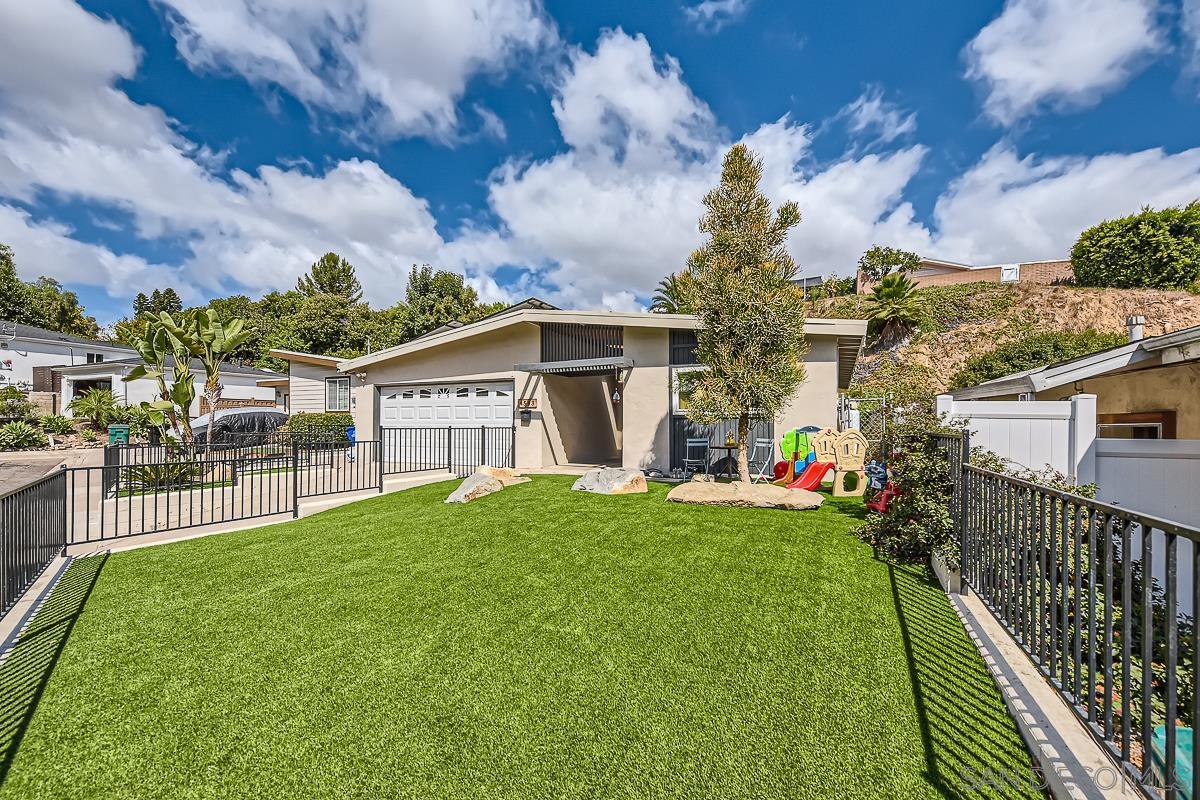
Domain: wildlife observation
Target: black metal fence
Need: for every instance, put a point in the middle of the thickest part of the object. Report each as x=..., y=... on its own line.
x=1092, y=594
x=459, y=450
x=32, y=534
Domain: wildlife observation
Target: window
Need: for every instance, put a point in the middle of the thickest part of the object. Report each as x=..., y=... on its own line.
x=337, y=394
x=481, y=392
x=95, y=358
x=425, y=394
x=407, y=394
x=678, y=398
x=462, y=391
x=1136, y=425
x=443, y=393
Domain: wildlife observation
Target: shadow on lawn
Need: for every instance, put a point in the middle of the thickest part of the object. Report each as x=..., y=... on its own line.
x=26, y=671
x=972, y=747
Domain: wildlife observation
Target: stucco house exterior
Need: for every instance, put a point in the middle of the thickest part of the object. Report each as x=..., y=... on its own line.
x=575, y=387
x=936, y=272
x=240, y=384
x=27, y=352
x=1148, y=388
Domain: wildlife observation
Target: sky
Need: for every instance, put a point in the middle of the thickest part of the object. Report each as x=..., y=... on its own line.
x=561, y=149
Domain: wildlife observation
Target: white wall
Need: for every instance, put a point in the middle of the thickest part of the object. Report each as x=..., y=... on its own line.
x=1036, y=434
x=131, y=393
x=1159, y=477
x=29, y=353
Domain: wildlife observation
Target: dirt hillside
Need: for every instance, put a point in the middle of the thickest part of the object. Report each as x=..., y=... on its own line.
x=972, y=319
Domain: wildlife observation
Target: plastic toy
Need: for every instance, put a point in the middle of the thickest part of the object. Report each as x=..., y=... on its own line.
x=882, y=502
x=797, y=450
x=876, y=475
x=824, y=459
x=851, y=450
x=812, y=476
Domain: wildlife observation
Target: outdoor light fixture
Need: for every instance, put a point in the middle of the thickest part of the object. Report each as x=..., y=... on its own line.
x=616, y=398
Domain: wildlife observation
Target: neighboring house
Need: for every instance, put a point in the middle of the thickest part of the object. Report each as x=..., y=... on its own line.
x=934, y=272
x=314, y=384
x=240, y=384
x=579, y=387
x=27, y=353
x=1126, y=418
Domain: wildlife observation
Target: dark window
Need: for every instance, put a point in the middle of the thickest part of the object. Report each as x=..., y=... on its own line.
x=95, y=358
x=683, y=348
x=566, y=342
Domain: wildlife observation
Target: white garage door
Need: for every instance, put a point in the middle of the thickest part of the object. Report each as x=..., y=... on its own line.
x=458, y=405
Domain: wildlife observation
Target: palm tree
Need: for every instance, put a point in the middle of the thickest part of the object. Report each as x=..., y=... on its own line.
x=674, y=294
x=895, y=305
x=97, y=406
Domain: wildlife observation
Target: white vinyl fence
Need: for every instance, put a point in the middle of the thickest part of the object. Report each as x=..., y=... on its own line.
x=1156, y=476
x=1035, y=434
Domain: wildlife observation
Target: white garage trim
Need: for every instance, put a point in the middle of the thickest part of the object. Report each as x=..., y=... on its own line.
x=458, y=404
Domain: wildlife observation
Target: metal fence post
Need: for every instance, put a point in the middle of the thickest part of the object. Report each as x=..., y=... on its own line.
x=295, y=479
x=449, y=447
x=379, y=461
x=482, y=445
x=964, y=535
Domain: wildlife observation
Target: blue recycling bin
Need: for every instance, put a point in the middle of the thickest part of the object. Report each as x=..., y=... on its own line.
x=350, y=435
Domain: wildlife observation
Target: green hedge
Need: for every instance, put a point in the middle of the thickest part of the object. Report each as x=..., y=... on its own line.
x=1034, y=350
x=330, y=424
x=1151, y=249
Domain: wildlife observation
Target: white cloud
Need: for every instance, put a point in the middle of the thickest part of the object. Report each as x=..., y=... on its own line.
x=711, y=16
x=403, y=66
x=1060, y=53
x=1190, y=22
x=870, y=114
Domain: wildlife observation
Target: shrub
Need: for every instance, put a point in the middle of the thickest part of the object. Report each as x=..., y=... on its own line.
x=136, y=417
x=175, y=475
x=1151, y=249
x=56, y=424
x=18, y=434
x=97, y=406
x=14, y=404
x=1034, y=350
x=328, y=425
x=895, y=306
x=918, y=522
x=89, y=435
x=832, y=286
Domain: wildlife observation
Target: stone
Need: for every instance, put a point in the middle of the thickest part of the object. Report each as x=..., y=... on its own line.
x=611, y=480
x=474, y=487
x=745, y=495
x=701, y=477
x=506, y=476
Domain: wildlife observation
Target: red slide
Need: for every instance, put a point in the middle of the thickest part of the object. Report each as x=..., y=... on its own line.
x=812, y=476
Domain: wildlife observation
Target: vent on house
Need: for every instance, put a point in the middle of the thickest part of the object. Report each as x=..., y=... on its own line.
x=1010, y=273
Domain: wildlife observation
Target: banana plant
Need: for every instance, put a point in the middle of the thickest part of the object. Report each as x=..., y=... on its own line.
x=211, y=340
x=157, y=344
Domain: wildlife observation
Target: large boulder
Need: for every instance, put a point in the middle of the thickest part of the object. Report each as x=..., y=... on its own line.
x=744, y=495
x=474, y=487
x=506, y=476
x=611, y=480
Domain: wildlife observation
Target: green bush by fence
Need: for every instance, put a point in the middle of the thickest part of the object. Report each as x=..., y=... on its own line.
x=331, y=424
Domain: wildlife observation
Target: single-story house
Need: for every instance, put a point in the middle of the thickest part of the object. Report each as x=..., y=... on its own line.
x=1146, y=389
x=240, y=384
x=936, y=272
x=27, y=354
x=574, y=387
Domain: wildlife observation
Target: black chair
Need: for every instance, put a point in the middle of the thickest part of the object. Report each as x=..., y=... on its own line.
x=695, y=456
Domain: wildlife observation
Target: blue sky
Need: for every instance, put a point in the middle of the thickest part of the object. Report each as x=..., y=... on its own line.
x=561, y=149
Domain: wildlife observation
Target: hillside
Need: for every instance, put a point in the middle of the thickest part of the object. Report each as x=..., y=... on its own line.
x=972, y=319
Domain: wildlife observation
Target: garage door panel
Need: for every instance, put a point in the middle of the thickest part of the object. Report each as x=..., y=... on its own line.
x=450, y=404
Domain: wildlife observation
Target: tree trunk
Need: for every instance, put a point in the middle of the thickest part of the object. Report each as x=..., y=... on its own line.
x=743, y=435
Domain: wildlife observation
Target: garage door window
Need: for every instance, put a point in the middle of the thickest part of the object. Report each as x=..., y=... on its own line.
x=337, y=394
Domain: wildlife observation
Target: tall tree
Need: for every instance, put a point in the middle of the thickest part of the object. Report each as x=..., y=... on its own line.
x=331, y=274
x=879, y=262
x=158, y=301
x=435, y=298
x=43, y=303
x=751, y=334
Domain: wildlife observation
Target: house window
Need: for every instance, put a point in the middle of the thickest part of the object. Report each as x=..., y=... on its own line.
x=1136, y=425
x=337, y=394
x=462, y=391
x=95, y=358
x=678, y=397
x=481, y=392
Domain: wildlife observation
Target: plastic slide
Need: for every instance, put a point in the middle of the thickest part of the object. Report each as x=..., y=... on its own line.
x=812, y=476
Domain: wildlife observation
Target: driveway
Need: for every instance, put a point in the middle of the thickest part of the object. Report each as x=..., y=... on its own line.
x=20, y=467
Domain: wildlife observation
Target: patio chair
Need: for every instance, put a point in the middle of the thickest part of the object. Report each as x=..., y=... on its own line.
x=762, y=460
x=695, y=456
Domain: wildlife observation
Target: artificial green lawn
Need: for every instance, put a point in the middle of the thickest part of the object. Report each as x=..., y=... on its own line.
x=535, y=643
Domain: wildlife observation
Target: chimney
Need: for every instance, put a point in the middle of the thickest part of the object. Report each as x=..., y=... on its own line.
x=1136, y=324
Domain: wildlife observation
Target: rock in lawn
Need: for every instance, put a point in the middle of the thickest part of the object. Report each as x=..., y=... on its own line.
x=702, y=477
x=474, y=487
x=508, y=477
x=744, y=495
x=611, y=480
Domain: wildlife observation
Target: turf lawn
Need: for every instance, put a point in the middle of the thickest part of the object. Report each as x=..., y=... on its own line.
x=536, y=643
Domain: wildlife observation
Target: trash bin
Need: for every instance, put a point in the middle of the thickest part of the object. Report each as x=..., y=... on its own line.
x=118, y=434
x=350, y=434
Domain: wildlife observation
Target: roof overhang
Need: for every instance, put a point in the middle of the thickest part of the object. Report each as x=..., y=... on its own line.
x=812, y=327
x=278, y=383
x=849, y=348
x=307, y=358
x=1055, y=375
x=581, y=366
